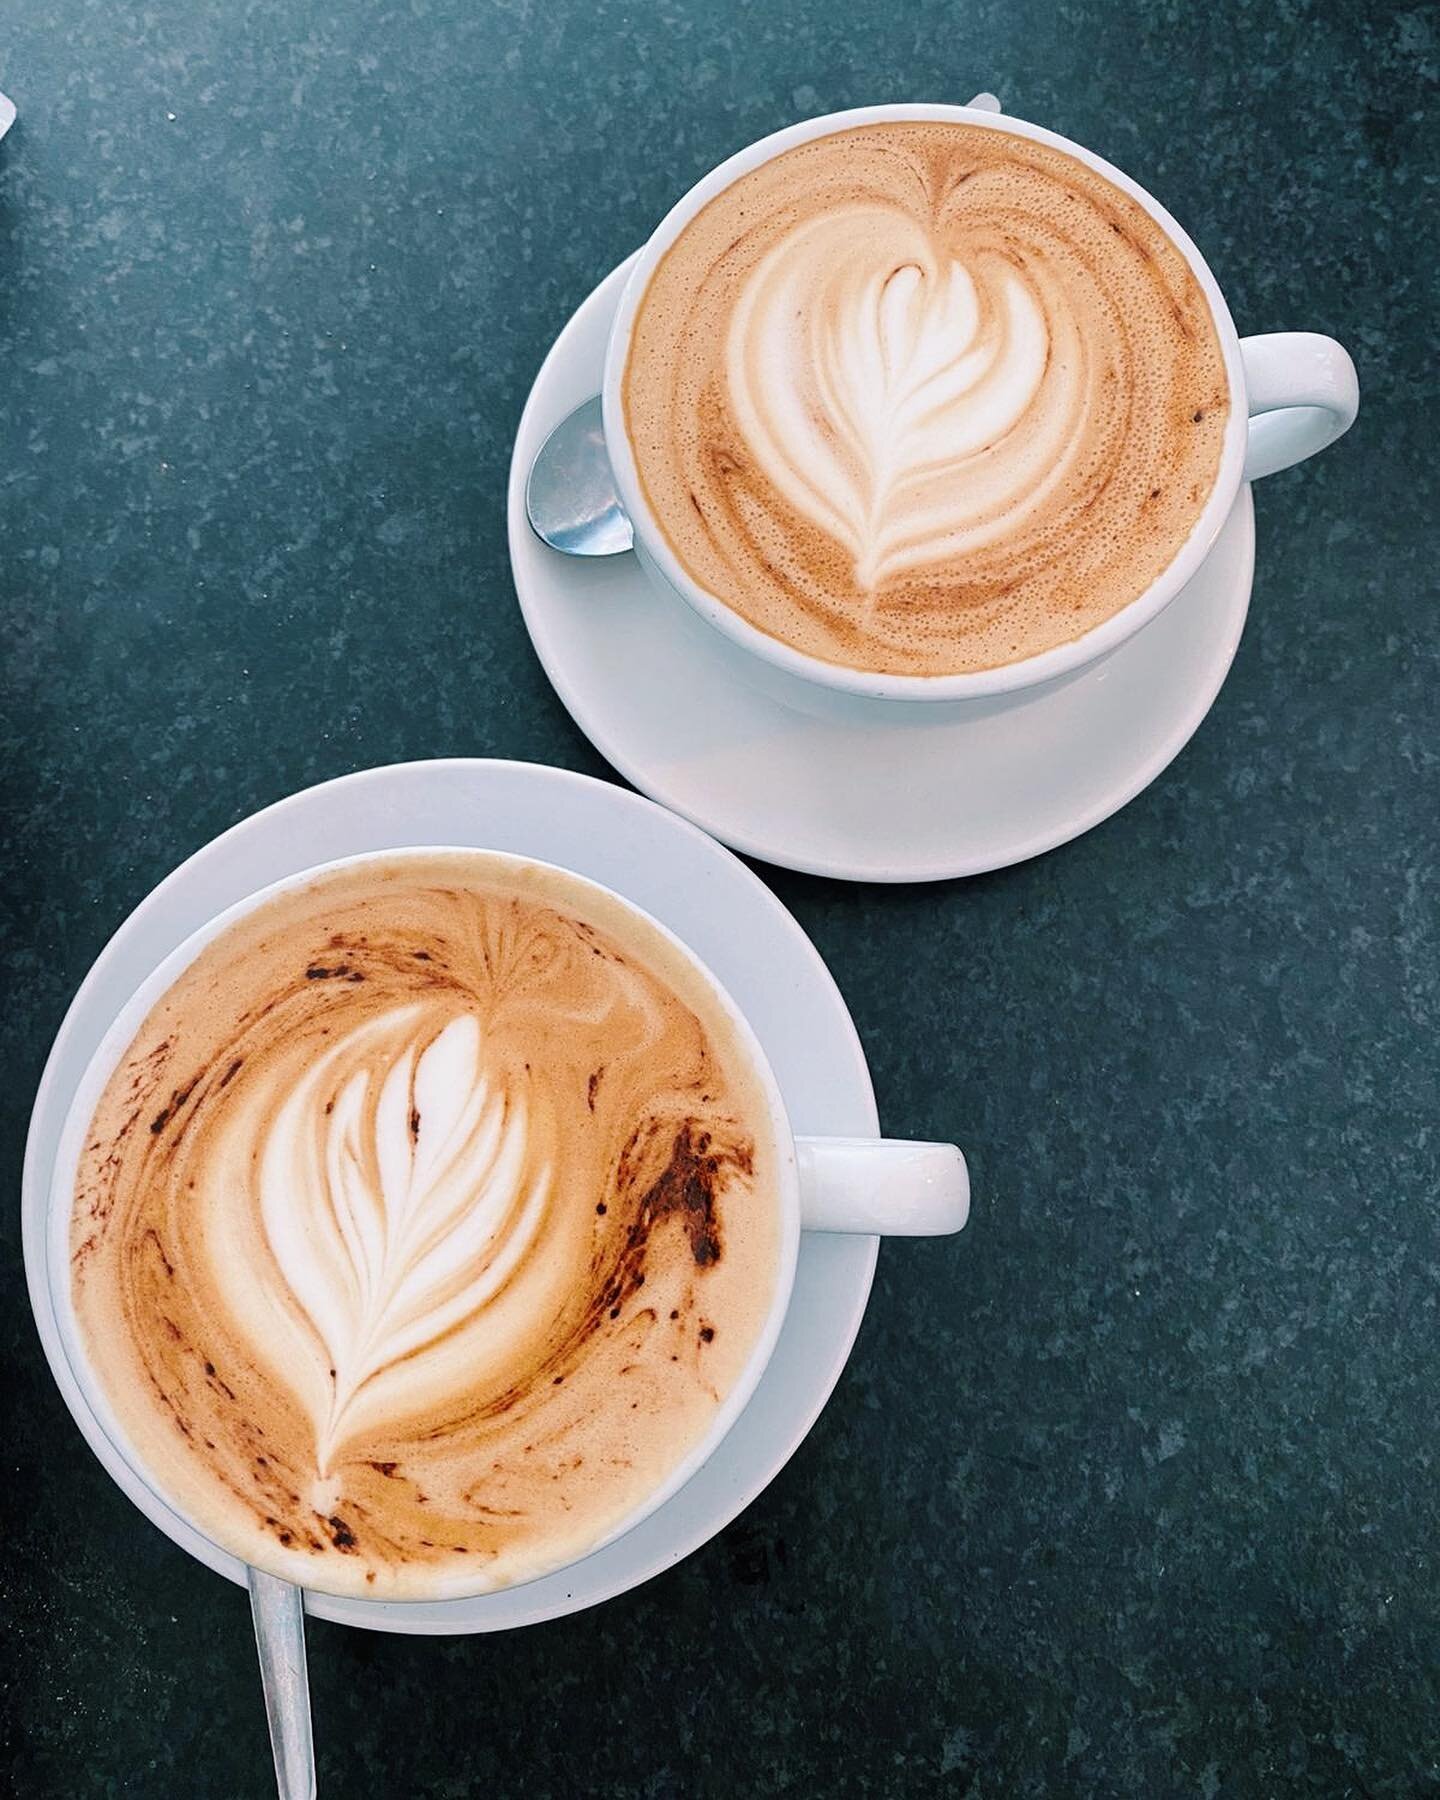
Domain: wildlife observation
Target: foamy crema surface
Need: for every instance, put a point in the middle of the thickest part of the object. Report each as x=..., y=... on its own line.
x=425, y=1225
x=925, y=398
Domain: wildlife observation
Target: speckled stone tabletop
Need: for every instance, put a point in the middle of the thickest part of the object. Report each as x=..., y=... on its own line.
x=1133, y=1489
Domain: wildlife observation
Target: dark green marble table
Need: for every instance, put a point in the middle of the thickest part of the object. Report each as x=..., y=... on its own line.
x=1135, y=1488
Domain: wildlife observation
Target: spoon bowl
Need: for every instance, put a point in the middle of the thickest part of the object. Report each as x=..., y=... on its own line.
x=570, y=497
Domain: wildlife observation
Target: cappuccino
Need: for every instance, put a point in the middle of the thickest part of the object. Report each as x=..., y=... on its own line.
x=924, y=398
x=425, y=1225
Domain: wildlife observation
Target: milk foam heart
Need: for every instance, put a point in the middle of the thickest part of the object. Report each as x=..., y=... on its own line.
x=425, y=1225
x=924, y=398
x=865, y=385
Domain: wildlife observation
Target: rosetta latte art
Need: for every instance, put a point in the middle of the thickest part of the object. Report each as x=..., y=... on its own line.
x=396, y=1207
x=424, y=1226
x=924, y=398
x=864, y=388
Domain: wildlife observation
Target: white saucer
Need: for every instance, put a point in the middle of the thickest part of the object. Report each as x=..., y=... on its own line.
x=710, y=900
x=864, y=802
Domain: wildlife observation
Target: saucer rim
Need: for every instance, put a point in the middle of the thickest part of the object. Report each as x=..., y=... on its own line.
x=572, y=693
x=68, y=1059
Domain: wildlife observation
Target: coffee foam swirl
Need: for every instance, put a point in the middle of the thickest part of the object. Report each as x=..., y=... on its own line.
x=863, y=387
x=396, y=1201
x=424, y=1226
x=924, y=398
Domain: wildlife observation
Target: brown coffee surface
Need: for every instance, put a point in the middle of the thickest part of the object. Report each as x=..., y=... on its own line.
x=425, y=1225
x=925, y=398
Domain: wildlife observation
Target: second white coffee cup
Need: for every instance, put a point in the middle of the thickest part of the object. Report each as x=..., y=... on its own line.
x=1291, y=394
x=866, y=1185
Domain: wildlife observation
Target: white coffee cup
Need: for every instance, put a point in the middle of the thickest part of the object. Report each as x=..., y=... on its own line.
x=1291, y=394
x=867, y=1185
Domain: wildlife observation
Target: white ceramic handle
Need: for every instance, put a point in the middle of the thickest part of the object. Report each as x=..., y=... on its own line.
x=1303, y=395
x=882, y=1185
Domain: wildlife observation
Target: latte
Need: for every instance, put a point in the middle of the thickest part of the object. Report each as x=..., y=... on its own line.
x=425, y=1225
x=924, y=398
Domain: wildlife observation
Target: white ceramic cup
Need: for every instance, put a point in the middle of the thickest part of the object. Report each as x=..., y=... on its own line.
x=869, y=1185
x=1291, y=394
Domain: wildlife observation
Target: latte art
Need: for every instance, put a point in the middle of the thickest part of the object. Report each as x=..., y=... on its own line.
x=396, y=1201
x=924, y=398
x=425, y=1225
x=864, y=386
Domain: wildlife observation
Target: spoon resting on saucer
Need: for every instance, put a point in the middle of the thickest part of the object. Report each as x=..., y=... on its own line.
x=279, y=1614
x=570, y=497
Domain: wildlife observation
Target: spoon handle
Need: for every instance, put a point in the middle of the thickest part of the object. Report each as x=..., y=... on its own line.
x=279, y=1614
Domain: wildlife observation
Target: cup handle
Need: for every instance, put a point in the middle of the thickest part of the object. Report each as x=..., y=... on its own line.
x=883, y=1186
x=1303, y=395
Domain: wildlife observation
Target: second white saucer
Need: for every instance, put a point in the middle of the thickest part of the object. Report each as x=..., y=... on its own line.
x=864, y=802
x=722, y=910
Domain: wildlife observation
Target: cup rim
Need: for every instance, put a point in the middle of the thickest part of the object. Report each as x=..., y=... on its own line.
x=1030, y=671
x=117, y=1038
